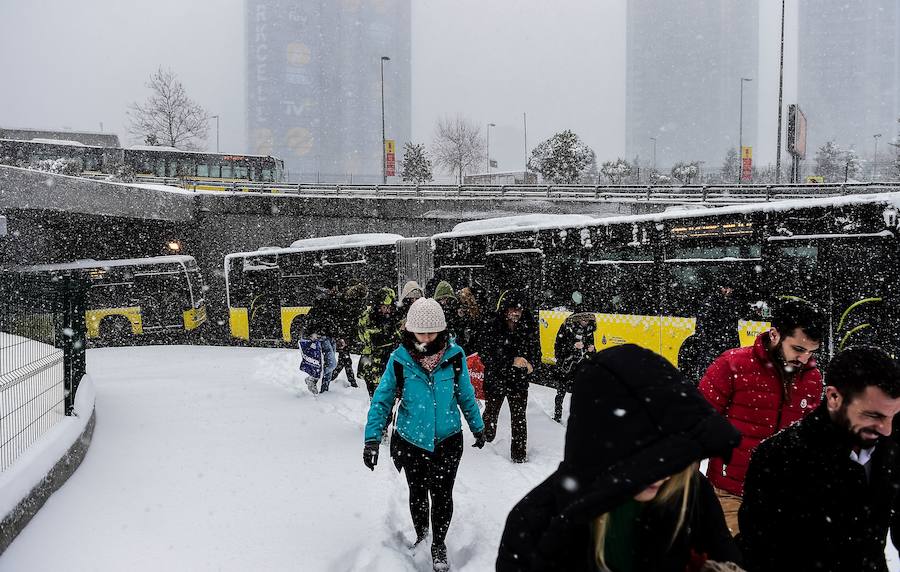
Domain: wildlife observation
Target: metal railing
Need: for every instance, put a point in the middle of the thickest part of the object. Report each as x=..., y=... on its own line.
x=41, y=357
x=660, y=194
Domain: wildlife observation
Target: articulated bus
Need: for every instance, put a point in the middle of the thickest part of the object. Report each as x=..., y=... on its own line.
x=270, y=289
x=645, y=276
x=138, y=296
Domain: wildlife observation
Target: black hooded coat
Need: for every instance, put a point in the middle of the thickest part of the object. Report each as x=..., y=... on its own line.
x=633, y=421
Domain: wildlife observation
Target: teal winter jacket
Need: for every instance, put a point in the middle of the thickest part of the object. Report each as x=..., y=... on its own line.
x=430, y=405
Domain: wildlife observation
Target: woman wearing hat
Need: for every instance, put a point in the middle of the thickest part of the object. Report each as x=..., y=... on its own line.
x=427, y=441
x=628, y=495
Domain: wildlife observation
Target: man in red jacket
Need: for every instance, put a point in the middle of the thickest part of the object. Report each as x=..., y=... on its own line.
x=762, y=389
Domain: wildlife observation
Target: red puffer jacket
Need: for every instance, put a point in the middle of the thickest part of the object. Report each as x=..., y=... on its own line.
x=744, y=386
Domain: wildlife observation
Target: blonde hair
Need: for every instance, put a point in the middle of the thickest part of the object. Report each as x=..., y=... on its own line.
x=679, y=485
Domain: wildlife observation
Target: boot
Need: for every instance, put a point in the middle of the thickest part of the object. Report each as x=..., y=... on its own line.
x=439, y=557
x=311, y=384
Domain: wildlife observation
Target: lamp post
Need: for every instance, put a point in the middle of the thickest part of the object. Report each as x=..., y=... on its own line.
x=780, y=94
x=489, y=125
x=741, y=132
x=216, y=117
x=875, y=160
x=653, y=158
x=383, y=140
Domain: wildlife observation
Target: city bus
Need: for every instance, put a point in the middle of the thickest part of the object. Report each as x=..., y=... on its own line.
x=645, y=276
x=137, y=297
x=270, y=289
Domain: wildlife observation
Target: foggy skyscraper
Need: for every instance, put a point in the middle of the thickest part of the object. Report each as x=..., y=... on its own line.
x=684, y=63
x=849, y=74
x=314, y=84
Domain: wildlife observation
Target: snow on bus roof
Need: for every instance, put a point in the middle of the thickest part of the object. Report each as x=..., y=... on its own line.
x=80, y=264
x=887, y=198
x=58, y=142
x=347, y=240
x=169, y=149
x=516, y=222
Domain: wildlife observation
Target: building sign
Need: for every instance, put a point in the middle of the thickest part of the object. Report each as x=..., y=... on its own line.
x=746, y=163
x=390, y=158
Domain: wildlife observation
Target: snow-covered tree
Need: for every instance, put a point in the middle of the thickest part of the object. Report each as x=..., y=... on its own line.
x=416, y=164
x=458, y=146
x=616, y=171
x=562, y=159
x=731, y=167
x=685, y=173
x=168, y=116
x=835, y=164
x=59, y=166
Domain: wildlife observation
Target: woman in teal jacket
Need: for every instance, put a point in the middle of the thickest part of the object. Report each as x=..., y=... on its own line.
x=429, y=375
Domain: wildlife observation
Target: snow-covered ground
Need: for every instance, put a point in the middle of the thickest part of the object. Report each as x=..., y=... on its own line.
x=216, y=459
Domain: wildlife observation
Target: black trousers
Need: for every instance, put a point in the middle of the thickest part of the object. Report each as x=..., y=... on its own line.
x=344, y=363
x=516, y=393
x=431, y=476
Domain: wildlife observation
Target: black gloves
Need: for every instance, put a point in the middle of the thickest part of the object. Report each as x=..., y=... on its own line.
x=479, y=440
x=370, y=454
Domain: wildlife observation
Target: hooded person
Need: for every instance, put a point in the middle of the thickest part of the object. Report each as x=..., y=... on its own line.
x=429, y=377
x=628, y=495
x=446, y=297
x=574, y=342
x=379, y=335
x=410, y=292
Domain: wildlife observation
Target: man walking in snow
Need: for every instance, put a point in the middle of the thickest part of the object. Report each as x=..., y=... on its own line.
x=321, y=324
x=823, y=493
x=762, y=389
x=510, y=351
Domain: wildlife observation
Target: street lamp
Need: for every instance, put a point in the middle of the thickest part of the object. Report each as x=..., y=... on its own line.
x=875, y=161
x=780, y=94
x=741, y=132
x=653, y=158
x=383, y=140
x=216, y=117
x=489, y=125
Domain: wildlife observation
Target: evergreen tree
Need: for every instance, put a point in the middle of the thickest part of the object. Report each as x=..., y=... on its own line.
x=562, y=159
x=616, y=171
x=416, y=164
x=685, y=173
x=731, y=167
x=830, y=163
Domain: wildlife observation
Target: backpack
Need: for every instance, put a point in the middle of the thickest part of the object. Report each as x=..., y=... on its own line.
x=396, y=455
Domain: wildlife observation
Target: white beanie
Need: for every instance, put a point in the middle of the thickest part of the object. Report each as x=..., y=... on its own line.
x=410, y=287
x=425, y=316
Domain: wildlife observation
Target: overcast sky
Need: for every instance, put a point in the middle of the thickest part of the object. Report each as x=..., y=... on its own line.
x=76, y=65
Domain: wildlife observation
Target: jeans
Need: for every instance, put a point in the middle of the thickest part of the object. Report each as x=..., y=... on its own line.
x=329, y=360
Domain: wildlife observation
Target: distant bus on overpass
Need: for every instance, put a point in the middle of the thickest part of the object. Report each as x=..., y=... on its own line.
x=210, y=170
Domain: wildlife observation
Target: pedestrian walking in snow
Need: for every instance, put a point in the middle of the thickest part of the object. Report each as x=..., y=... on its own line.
x=321, y=324
x=762, y=389
x=351, y=306
x=410, y=292
x=471, y=322
x=574, y=342
x=628, y=495
x=427, y=374
x=716, y=330
x=445, y=296
x=823, y=493
x=379, y=334
x=509, y=352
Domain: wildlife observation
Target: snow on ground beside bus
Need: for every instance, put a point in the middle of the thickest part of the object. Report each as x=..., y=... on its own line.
x=216, y=459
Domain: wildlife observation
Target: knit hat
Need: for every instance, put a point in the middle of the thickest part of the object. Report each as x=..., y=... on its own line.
x=425, y=316
x=411, y=288
x=444, y=290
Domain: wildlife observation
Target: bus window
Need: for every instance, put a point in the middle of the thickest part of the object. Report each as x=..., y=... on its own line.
x=266, y=175
x=793, y=270
x=202, y=170
x=240, y=172
x=226, y=171
x=215, y=171
x=172, y=168
x=160, y=168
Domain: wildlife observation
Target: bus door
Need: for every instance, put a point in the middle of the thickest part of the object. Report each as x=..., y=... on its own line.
x=708, y=286
x=415, y=261
x=163, y=296
x=864, y=282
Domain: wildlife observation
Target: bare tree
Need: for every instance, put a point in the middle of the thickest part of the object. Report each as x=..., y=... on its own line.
x=169, y=116
x=458, y=146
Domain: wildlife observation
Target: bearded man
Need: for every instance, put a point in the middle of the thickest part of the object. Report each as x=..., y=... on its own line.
x=762, y=389
x=823, y=493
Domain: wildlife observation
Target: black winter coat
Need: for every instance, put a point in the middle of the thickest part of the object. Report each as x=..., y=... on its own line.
x=704, y=533
x=567, y=355
x=499, y=346
x=808, y=506
x=633, y=421
x=323, y=318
